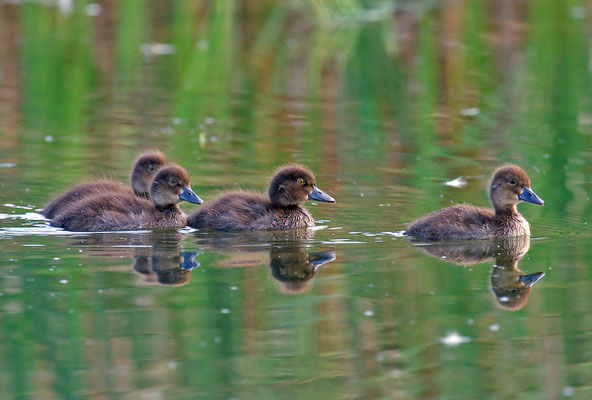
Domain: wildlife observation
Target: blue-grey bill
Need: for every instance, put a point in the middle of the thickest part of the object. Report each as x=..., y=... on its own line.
x=319, y=258
x=530, y=196
x=531, y=279
x=189, y=196
x=319, y=195
x=189, y=262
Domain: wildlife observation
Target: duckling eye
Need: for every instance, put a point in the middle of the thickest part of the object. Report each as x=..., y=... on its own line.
x=512, y=181
x=151, y=167
x=514, y=291
x=300, y=181
x=172, y=181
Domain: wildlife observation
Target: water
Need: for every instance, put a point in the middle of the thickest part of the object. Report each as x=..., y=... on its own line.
x=399, y=108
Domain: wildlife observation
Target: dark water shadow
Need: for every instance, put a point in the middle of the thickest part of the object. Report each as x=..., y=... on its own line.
x=287, y=253
x=510, y=286
x=158, y=256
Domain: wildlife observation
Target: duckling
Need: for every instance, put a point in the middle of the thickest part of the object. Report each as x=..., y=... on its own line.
x=290, y=186
x=510, y=185
x=116, y=211
x=145, y=167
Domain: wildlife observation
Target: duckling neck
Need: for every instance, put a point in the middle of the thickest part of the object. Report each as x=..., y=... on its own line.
x=168, y=208
x=279, y=204
x=508, y=212
x=287, y=207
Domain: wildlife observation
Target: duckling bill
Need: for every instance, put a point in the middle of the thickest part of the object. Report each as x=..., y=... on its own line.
x=510, y=186
x=280, y=209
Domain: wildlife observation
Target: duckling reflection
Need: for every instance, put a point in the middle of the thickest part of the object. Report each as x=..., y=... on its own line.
x=166, y=267
x=158, y=256
x=294, y=270
x=510, y=285
x=286, y=253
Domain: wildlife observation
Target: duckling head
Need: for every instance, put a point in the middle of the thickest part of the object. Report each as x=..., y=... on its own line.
x=171, y=186
x=512, y=286
x=292, y=185
x=510, y=185
x=294, y=269
x=145, y=167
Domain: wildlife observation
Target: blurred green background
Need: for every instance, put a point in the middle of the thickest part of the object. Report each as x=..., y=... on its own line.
x=386, y=101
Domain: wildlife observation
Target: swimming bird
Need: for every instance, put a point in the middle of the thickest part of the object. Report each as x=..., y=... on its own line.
x=145, y=167
x=509, y=186
x=117, y=211
x=290, y=186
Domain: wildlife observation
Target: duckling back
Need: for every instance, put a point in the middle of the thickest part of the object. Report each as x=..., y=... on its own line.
x=82, y=191
x=241, y=210
x=467, y=222
x=143, y=172
x=114, y=211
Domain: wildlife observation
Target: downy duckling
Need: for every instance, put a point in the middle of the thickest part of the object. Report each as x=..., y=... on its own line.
x=239, y=210
x=117, y=211
x=510, y=185
x=142, y=174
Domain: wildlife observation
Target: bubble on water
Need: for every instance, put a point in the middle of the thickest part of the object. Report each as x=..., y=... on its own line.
x=156, y=49
x=56, y=258
x=469, y=112
x=48, y=138
x=93, y=9
x=458, y=183
x=64, y=281
x=369, y=313
x=578, y=12
x=225, y=311
x=453, y=339
x=234, y=288
x=172, y=365
x=203, y=45
x=568, y=391
x=65, y=6
x=494, y=327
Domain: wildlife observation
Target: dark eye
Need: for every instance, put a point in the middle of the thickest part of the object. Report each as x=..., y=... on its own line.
x=300, y=181
x=151, y=167
x=172, y=181
x=512, y=181
x=514, y=291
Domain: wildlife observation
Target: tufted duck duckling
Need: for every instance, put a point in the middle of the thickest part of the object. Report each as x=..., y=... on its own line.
x=510, y=185
x=144, y=170
x=239, y=210
x=117, y=211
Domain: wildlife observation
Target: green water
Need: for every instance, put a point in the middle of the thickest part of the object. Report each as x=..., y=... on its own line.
x=385, y=101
